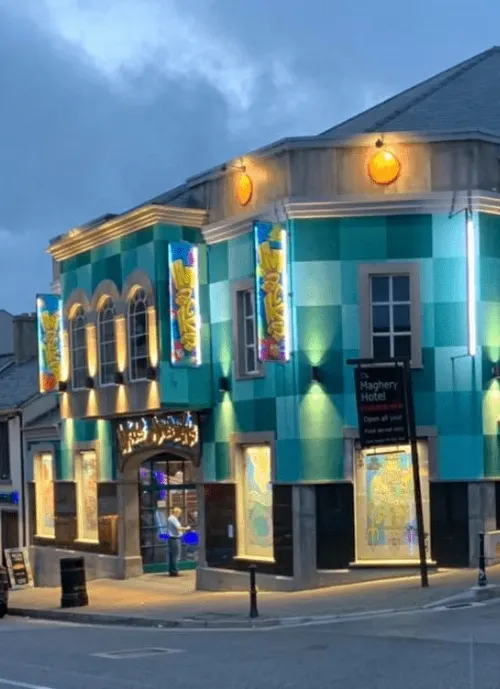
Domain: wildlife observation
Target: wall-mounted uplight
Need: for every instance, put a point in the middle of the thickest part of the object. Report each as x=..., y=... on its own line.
x=151, y=373
x=315, y=374
x=119, y=378
x=471, y=284
x=495, y=371
x=224, y=384
x=89, y=383
x=63, y=386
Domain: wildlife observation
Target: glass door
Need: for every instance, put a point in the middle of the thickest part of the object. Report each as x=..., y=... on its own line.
x=164, y=483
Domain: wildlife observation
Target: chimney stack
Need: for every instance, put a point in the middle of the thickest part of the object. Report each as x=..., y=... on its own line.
x=25, y=337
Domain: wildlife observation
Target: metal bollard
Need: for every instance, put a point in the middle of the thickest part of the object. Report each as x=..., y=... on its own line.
x=482, y=578
x=253, y=592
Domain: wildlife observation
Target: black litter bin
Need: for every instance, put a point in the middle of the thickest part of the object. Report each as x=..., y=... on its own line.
x=73, y=583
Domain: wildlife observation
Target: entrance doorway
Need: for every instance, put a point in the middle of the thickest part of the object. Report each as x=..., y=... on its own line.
x=10, y=531
x=167, y=481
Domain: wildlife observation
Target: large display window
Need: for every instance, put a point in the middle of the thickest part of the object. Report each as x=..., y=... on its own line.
x=86, y=496
x=386, y=525
x=255, y=504
x=44, y=494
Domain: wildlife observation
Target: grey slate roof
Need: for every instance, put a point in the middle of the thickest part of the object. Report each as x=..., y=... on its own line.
x=18, y=384
x=463, y=98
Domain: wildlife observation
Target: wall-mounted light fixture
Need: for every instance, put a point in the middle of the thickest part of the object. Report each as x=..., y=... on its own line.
x=224, y=384
x=119, y=378
x=151, y=373
x=495, y=371
x=315, y=374
x=89, y=383
x=383, y=167
x=63, y=386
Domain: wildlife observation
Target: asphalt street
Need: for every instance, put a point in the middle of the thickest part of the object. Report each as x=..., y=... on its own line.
x=452, y=649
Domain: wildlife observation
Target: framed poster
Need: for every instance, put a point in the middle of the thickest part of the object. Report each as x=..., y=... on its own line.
x=19, y=568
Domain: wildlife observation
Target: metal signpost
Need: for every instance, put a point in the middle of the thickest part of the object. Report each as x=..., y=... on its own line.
x=386, y=416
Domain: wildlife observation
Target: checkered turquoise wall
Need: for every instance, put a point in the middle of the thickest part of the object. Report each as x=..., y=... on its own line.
x=309, y=418
x=87, y=431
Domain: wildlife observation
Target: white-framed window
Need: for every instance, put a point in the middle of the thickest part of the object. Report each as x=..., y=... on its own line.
x=255, y=508
x=247, y=362
x=78, y=347
x=44, y=494
x=138, y=334
x=107, y=341
x=390, y=311
x=86, y=477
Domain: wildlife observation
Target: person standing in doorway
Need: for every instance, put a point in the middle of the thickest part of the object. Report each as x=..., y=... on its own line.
x=174, y=531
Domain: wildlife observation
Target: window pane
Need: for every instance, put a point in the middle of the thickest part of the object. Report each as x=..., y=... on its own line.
x=402, y=345
x=248, y=302
x=380, y=289
x=401, y=288
x=86, y=476
x=381, y=347
x=401, y=318
x=250, y=360
x=44, y=495
x=257, y=507
x=380, y=319
x=249, y=331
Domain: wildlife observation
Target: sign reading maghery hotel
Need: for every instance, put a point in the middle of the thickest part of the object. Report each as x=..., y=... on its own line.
x=185, y=321
x=49, y=326
x=382, y=405
x=271, y=292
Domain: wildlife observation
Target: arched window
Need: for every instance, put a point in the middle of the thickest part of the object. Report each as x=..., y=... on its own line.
x=78, y=346
x=107, y=341
x=138, y=334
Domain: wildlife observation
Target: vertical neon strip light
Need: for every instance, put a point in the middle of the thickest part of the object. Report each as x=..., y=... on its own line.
x=471, y=284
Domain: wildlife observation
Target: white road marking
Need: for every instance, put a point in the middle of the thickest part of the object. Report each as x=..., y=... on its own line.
x=127, y=653
x=22, y=685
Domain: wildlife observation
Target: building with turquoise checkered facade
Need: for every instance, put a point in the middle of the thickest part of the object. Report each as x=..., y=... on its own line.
x=383, y=240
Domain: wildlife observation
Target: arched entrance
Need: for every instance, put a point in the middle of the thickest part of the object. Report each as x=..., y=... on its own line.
x=166, y=481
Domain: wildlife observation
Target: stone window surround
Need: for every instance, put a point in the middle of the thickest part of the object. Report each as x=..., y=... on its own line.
x=237, y=287
x=365, y=272
x=237, y=442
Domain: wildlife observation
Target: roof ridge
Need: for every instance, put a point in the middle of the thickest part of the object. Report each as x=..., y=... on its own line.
x=453, y=72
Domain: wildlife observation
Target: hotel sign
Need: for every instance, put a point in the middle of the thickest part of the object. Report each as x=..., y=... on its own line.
x=148, y=432
x=382, y=405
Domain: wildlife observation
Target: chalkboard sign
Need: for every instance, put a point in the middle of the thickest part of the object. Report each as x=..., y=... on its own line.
x=19, y=568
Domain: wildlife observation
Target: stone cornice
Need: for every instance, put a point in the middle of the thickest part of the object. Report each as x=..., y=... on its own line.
x=80, y=239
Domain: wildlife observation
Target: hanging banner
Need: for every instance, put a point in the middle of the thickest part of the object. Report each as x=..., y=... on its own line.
x=49, y=326
x=271, y=292
x=185, y=320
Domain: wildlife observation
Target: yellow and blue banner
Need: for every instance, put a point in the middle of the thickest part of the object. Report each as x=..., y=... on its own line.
x=49, y=327
x=185, y=320
x=272, y=292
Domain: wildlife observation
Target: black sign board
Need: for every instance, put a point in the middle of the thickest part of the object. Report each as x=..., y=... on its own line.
x=382, y=405
x=18, y=567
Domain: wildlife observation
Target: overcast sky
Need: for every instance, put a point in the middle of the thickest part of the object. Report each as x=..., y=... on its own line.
x=105, y=103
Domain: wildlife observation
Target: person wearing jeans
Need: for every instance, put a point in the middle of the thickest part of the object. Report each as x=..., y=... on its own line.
x=174, y=531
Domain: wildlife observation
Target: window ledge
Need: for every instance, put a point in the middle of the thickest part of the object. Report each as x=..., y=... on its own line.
x=249, y=376
x=44, y=537
x=262, y=560
x=87, y=541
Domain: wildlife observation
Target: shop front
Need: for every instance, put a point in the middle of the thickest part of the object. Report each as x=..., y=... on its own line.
x=160, y=455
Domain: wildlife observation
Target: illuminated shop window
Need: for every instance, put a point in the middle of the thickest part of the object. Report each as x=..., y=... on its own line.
x=138, y=334
x=44, y=494
x=255, y=530
x=78, y=344
x=107, y=342
x=86, y=495
x=386, y=524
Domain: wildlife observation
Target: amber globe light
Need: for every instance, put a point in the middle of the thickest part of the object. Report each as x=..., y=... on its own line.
x=384, y=167
x=244, y=189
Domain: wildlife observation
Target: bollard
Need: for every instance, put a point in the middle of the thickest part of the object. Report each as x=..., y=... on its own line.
x=253, y=592
x=482, y=578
